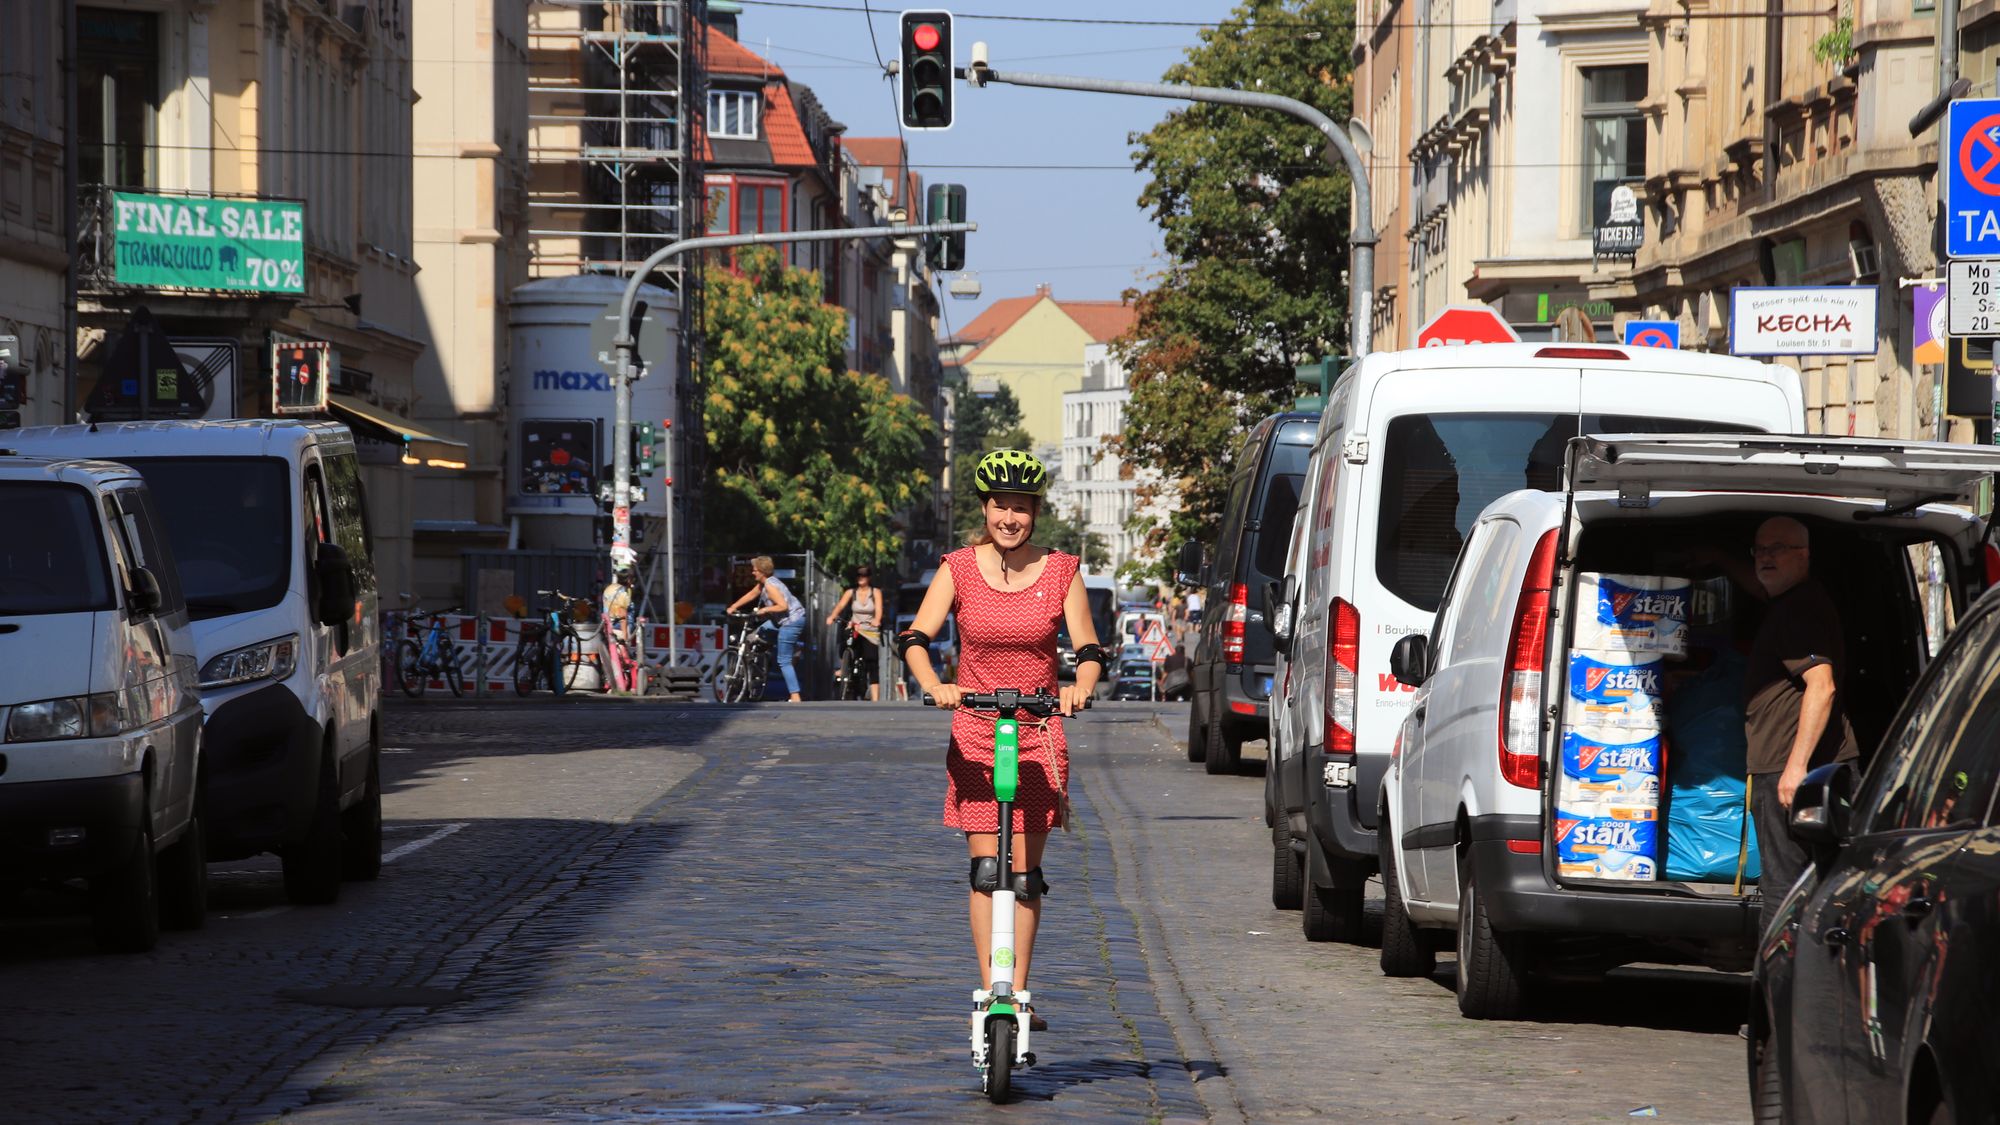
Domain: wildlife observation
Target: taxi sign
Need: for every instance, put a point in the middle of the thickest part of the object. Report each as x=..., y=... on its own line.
x=1971, y=162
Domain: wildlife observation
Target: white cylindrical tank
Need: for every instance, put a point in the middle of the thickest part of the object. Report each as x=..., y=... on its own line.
x=561, y=403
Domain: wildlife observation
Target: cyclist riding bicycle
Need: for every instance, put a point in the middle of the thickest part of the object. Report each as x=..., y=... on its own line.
x=1007, y=595
x=866, y=602
x=784, y=614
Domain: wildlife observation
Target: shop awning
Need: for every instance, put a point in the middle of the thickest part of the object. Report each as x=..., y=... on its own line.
x=420, y=446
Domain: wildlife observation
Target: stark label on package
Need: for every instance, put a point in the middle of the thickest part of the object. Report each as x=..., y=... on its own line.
x=1609, y=693
x=1621, y=770
x=1610, y=846
x=1633, y=613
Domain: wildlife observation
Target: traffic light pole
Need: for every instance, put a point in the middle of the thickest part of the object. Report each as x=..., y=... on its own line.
x=625, y=347
x=1361, y=236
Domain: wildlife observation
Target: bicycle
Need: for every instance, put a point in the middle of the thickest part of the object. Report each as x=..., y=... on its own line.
x=550, y=651
x=626, y=658
x=999, y=1033
x=436, y=656
x=851, y=682
x=746, y=663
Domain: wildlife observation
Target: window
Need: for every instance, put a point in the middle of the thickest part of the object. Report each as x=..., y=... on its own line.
x=143, y=539
x=747, y=206
x=118, y=96
x=350, y=516
x=59, y=567
x=228, y=524
x=733, y=113
x=718, y=208
x=1614, y=135
x=1939, y=769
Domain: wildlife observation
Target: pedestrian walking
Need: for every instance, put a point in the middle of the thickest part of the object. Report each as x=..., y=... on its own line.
x=1009, y=597
x=785, y=617
x=866, y=603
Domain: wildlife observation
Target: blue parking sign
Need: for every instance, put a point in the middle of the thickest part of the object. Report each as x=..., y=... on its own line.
x=1652, y=333
x=1972, y=178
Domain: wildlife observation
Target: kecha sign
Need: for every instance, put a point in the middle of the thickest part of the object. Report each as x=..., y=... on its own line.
x=1798, y=320
x=200, y=242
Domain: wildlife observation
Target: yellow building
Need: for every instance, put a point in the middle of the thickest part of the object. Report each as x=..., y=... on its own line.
x=1034, y=347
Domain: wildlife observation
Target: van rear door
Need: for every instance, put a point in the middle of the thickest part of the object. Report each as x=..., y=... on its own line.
x=1735, y=396
x=1637, y=465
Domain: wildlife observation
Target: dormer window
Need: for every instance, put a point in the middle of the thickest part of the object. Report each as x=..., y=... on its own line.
x=733, y=113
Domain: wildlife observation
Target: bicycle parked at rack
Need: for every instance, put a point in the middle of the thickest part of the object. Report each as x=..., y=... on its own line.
x=436, y=656
x=550, y=651
x=746, y=662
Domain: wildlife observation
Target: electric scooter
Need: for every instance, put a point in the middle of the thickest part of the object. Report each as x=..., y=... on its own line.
x=999, y=1029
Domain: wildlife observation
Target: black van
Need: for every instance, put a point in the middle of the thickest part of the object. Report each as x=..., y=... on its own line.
x=1233, y=657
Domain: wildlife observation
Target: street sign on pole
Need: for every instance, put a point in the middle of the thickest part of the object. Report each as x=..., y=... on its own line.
x=1466, y=324
x=1653, y=333
x=1971, y=161
x=1972, y=297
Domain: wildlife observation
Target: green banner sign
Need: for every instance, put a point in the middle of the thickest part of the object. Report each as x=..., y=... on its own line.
x=171, y=242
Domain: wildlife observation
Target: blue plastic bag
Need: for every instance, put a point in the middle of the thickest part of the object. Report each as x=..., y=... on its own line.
x=1707, y=831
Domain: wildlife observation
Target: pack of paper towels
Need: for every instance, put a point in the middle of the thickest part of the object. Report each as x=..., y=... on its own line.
x=1613, y=748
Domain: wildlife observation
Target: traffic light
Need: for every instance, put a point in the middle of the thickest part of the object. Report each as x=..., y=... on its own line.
x=927, y=69
x=645, y=448
x=946, y=204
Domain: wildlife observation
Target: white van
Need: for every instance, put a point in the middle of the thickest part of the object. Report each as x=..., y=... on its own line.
x=1411, y=447
x=270, y=531
x=1475, y=846
x=100, y=722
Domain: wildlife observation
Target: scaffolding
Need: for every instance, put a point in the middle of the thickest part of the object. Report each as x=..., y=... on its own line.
x=616, y=93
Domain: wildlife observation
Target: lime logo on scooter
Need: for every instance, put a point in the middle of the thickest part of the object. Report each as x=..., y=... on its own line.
x=1004, y=958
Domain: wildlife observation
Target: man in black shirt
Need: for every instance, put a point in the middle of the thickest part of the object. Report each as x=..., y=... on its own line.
x=1795, y=720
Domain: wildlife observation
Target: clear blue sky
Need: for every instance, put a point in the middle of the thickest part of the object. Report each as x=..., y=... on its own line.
x=1080, y=231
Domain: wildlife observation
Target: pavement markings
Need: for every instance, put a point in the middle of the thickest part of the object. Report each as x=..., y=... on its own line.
x=442, y=830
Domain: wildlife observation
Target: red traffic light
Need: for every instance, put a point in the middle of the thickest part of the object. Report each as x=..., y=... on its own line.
x=925, y=36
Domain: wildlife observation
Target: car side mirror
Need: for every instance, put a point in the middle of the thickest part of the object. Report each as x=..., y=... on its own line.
x=1823, y=807
x=1188, y=568
x=335, y=574
x=143, y=598
x=1278, y=612
x=1410, y=660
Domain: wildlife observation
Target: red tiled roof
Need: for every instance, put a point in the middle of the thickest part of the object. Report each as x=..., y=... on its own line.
x=886, y=153
x=1103, y=321
x=727, y=56
x=789, y=148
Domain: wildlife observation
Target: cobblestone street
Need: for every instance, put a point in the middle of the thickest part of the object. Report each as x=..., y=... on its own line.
x=605, y=912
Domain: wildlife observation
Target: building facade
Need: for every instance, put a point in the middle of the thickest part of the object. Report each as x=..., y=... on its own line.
x=35, y=216
x=1034, y=346
x=1093, y=481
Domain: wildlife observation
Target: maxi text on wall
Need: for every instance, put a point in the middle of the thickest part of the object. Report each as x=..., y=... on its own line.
x=202, y=242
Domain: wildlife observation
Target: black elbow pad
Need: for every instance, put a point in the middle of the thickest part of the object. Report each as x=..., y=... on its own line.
x=909, y=639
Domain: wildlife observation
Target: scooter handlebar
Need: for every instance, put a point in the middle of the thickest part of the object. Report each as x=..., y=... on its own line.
x=1036, y=703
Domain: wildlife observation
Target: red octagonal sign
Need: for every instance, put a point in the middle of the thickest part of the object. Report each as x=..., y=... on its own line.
x=1466, y=324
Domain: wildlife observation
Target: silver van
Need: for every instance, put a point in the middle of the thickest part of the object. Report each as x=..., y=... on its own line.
x=100, y=720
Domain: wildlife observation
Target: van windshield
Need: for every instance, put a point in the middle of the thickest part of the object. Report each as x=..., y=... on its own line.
x=1439, y=471
x=229, y=519
x=52, y=557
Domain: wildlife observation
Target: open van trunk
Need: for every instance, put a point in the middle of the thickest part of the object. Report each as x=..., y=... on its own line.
x=1636, y=509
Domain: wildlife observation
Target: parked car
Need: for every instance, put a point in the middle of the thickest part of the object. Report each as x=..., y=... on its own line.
x=100, y=751
x=1413, y=445
x=1873, y=992
x=1231, y=666
x=1288, y=721
x=269, y=527
x=1485, y=844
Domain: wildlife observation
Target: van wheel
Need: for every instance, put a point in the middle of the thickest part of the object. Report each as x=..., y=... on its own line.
x=1225, y=754
x=125, y=901
x=1332, y=913
x=1767, y=1098
x=1288, y=870
x=183, y=875
x=312, y=866
x=1492, y=967
x=1404, y=951
x=1197, y=739
x=361, y=827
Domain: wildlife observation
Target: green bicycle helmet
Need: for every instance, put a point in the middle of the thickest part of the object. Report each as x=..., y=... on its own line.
x=1011, y=470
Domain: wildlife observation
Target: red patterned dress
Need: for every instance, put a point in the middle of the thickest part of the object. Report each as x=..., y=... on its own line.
x=1007, y=639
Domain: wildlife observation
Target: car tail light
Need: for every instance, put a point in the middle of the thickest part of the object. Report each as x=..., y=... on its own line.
x=1521, y=697
x=1233, y=621
x=1343, y=680
x=1525, y=847
x=1580, y=353
x=1991, y=556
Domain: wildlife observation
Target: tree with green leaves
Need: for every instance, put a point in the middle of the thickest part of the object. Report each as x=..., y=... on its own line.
x=982, y=423
x=806, y=454
x=1254, y=223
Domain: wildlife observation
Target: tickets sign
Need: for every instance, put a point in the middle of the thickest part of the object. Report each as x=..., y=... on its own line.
x=202, y=242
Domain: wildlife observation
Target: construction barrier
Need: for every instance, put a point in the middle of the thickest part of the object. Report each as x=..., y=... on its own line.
x=486, y=645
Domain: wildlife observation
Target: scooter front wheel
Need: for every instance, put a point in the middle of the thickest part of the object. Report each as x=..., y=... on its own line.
x=999, y=1060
